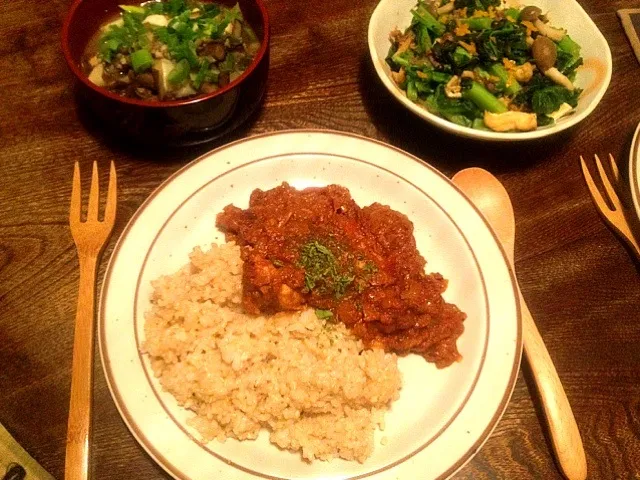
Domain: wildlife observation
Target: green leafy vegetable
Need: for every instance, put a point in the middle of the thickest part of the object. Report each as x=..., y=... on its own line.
x=569, y=46
x=461, y=57
x=548, y=100
x=422, y=15
x=492, y=58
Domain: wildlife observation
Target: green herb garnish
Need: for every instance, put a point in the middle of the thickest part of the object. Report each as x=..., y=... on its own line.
x=322, y=271
x=370, y=267
x=141, y=60
x=324, y=314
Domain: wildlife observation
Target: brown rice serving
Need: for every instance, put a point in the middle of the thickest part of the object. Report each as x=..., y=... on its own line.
x=310, y=383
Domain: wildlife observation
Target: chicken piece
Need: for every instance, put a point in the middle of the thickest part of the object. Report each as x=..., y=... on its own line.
x=289, y=299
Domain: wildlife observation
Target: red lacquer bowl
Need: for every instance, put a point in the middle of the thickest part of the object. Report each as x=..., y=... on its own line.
x=177, y=122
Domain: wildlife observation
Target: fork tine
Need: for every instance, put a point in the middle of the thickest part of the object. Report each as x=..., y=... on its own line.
x=110, y=208
x=611, y=192
x=76, y=196
x=94, y=195
x=614, y=169
x=593, y=189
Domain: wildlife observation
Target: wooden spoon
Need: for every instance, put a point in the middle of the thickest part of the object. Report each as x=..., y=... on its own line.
x=491, y=198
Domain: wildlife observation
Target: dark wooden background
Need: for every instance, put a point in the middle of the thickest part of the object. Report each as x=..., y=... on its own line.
x=581, y=284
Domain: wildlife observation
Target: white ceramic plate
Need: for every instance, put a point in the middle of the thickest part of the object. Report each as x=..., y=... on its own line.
x=442, y=417
x=594, y=76
x=634, y=170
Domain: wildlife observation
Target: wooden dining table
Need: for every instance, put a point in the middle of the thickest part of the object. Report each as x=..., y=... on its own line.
x=582, y=286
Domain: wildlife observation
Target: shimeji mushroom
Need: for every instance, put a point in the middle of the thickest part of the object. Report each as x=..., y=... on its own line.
x=532, y=14
x=545, y=54
x=557, y=76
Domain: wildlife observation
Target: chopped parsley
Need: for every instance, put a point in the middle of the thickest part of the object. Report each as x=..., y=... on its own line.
x=322, y=271
x=324, y=314
x=370, y=267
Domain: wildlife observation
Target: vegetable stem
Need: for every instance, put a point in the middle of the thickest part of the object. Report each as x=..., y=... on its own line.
x=512, y=13
x=483, y=99
x=507, y=82
x=412, y=92
x=423, y=16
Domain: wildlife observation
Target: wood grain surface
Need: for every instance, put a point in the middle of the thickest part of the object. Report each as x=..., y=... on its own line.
x=580, y=283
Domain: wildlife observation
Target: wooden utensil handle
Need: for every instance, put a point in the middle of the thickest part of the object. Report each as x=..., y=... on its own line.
x=77, y=454
x=565, y=436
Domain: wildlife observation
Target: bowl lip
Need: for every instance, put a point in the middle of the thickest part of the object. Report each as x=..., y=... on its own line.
x=75, y=69
x=481, y=134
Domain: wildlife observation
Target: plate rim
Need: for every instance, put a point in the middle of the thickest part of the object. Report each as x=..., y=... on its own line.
x=157, y=456
x=634, y=170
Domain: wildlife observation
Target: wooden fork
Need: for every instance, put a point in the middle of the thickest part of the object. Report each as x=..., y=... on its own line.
x=614, y=217
x=90, y=238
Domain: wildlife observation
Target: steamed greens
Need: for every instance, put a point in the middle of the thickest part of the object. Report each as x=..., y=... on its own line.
x=483, y=66
x=171, y=49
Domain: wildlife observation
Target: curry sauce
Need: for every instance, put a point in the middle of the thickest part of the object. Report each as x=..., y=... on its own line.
x=360, y=266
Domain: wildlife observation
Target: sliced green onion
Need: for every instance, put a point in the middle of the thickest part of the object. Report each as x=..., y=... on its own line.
x=180, y=72
x=201, y=75
x=113, y=44
x=135, y=9
x=141, y=60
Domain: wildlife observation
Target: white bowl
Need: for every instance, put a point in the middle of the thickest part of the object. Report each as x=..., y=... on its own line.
x=594, y=76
